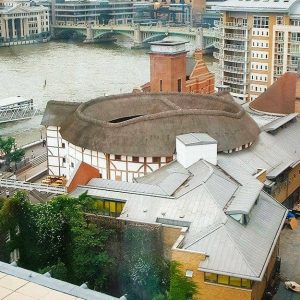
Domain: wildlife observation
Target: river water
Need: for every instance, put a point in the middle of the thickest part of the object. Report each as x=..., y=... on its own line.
x=72, y=71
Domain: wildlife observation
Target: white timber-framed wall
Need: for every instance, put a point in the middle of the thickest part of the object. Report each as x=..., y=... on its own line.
x=63, y=157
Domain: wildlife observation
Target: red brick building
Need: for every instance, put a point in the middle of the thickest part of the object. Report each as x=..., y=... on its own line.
x=169, y=72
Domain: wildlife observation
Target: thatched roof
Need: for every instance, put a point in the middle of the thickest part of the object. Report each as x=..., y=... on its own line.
x=147, y=124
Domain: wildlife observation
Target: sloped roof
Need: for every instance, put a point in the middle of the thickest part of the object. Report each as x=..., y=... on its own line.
x=147, y=124
x=254, y=5
x=280, y=97
x=200, y=204
x=269, y=151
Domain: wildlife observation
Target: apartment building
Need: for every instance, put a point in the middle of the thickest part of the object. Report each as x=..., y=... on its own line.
x=259, y=41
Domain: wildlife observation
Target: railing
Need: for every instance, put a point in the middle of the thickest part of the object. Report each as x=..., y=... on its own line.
x=234, y=80
x=295, y=41
x=236, y=58
x=38, y=160
x=236, y=91
x=234, y=36
x=232, y=69
x=217, y=55
x=292, y=65
x=279, y=39
x=234, y=47
x=232, y=25
x=9, y=183
x=278, y=62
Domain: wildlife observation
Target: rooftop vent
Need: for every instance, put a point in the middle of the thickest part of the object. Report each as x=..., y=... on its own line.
x=192, y=147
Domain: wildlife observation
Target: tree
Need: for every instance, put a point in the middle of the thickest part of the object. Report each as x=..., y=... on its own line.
x=56, y=237
x=16, y=156
x=181, y=287
x=6, y=144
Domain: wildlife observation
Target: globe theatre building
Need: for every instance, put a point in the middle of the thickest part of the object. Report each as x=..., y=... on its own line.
x=130, y=135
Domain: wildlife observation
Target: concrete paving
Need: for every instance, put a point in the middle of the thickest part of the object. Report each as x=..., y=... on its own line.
x=290, y=253
x=32, y=172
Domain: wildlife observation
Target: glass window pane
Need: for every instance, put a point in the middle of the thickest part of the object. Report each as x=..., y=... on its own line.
x=223, y=279
x=112, y=207
x=100, y=204
x=235, y=281
x=210, y=277
x=246, y=283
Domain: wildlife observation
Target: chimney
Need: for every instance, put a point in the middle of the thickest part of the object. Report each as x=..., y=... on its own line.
x=192, y=147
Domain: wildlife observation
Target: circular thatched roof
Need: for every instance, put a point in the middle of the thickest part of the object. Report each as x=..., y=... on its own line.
x=147, y=124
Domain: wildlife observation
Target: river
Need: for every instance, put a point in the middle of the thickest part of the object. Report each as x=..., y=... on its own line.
x=72, y=71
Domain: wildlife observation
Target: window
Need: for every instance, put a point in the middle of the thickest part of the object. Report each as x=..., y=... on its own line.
x=179, y=85
x=234, y=281
x=210, y=277
x=110, y=208
x=169, y=159
x=279, y=20
x=72, y=165
x=156, y=160
x=117, y=157
x=260, y=22
x=64, y=160
x=189, y=273
x=63, y=145
x=227, y=280
x=135, y=159
x=160, y=86
x=223, y=279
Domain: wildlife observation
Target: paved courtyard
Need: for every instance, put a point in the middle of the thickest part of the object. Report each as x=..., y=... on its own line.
x=290, y=253
x=290, y=261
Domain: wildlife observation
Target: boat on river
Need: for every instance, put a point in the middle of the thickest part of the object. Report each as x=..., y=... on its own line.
x=16, y=109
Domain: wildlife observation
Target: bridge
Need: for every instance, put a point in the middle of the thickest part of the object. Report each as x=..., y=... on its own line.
x=140, y=35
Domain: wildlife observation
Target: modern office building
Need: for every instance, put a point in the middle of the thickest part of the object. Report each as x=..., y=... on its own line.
x=258, y=42
x=19, y=20
x=81, y=12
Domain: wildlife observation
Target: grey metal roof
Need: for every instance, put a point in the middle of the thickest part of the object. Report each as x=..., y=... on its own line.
x=196, y=139
x=270, y=152
x=254, y=5
x=279, y=169
x=202, y=203
x=274, y=125
x=248, y=192
x=245, y=249
x=128, y=187
x=52, y=283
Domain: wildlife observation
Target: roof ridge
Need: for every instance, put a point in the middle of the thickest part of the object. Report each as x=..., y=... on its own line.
x=205, y=232
x=239, y=250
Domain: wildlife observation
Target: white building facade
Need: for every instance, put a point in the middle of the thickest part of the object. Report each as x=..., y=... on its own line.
x=63, y=158
x=21, y=21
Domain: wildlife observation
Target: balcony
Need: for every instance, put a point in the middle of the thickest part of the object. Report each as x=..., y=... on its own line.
x=236, y=58
x=279, y=40
x=237, y=91
x=295, y=41
x=293, y=65
x=231, y=25
x=235, y=37
x=232, y=47
x=236, y=70
x=217, y=55
x=234, y=80
x=278, y=62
